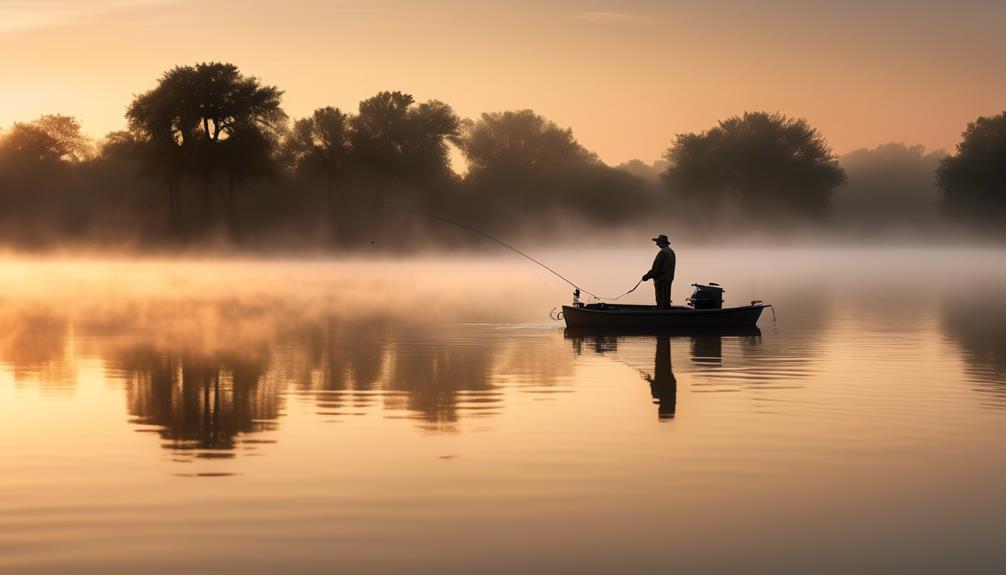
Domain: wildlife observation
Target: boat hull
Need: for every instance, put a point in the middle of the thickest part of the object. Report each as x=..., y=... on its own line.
x=649, y=318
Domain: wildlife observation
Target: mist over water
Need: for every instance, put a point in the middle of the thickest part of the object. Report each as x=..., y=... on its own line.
x=380, y=415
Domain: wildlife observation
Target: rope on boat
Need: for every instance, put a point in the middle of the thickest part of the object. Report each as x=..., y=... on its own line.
x=626, y=293
x=510, y=247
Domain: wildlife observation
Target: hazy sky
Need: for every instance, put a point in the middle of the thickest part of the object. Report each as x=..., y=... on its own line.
x=626, y=76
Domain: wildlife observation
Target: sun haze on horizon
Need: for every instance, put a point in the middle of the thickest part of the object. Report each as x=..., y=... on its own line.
x=625, y=76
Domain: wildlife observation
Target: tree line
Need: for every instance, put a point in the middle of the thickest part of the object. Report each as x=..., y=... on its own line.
x=208, y=154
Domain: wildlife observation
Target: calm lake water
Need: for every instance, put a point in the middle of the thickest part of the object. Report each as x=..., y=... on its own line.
x=426, y=416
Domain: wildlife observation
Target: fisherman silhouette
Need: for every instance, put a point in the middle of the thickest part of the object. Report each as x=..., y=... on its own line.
x=662, y=272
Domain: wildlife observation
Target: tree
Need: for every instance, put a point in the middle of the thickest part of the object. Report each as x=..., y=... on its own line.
x=519, y=141
x=651, y=173
x=119, y=145
x=41, y=166
x=760, y=163
x=321, y=143
x=973, y=180
x=51, y=138
x=398, y=154
x=206, y=120
x=392, y=134
x=163, y=123
x=520, y=162
x=249, y=153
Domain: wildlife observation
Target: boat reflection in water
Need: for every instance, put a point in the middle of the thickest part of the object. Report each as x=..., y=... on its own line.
x=706, y=350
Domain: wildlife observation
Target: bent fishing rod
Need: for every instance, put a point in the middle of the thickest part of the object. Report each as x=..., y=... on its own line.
x=509, y=247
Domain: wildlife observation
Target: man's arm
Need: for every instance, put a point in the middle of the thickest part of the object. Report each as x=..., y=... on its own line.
x=658, y=267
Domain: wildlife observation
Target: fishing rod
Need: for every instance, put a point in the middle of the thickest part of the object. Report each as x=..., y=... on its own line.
x=509, y=247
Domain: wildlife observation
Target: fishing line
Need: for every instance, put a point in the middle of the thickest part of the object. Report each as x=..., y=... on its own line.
x=509, y=247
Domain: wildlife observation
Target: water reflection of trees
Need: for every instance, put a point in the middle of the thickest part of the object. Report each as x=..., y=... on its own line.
x=977, y=323
x=347, y=367
x=199, y=402
x=433, y=376
x=438, y=378
x=34, y=344
x=347, y=355
x=202, y=380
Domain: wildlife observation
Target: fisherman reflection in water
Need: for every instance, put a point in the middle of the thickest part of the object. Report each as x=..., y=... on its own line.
x=662, y=272
x=663, y=385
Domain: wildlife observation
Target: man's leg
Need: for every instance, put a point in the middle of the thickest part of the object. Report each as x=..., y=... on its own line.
x=663, y=295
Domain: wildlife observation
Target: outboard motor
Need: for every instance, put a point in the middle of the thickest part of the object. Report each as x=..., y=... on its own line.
x=707, y=296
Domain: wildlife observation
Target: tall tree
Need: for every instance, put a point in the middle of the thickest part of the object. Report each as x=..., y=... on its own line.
x=519, y=160
x=760, y=164
x=247, y=154
x=321, y=142
x=205, y=120
x=394, y=135
x=519, y=142
x=973, y=180
x=399, y=155
x=163, y=124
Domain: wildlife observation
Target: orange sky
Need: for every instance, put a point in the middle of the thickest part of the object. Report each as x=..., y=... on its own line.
x=626, y=76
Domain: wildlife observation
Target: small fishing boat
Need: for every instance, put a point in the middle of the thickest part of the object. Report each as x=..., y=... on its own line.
x=648, y=317
x=705, y=313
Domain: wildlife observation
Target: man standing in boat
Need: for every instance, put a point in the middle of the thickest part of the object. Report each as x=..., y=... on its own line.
x=662, y=272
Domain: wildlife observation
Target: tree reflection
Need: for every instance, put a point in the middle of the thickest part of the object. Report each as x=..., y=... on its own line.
x=434, y=376
x=34, y=344
x=346, y=361
x=200, y=379
x=977, y=322
x=196, y=402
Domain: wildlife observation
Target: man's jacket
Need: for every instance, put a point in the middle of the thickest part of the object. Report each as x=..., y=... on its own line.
x=663, y=265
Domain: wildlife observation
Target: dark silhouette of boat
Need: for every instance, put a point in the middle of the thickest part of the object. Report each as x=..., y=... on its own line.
x=626, y=317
